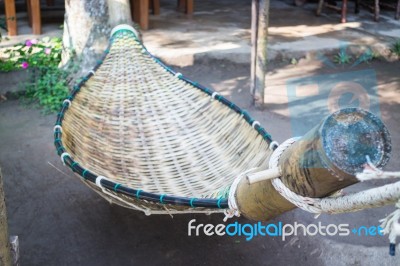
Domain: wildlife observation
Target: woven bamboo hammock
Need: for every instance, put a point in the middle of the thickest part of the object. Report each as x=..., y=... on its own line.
x=157, y=137
x=145, y=137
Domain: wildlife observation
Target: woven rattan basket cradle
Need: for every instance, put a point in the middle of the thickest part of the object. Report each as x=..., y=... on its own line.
x=148, y=138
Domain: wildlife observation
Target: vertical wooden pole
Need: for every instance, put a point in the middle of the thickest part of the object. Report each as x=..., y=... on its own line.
x=5, y=251
x=320, y=163
x=260, y=56
x=376, y=10
x=36, y=17
x=11, y=17
x=397, y=16
x=155, y=7
x=254, y=27
x=344, y=11
x=182, y=5
x=320, y=6
x=189, y=7
x=29, y=11
x=141, y=13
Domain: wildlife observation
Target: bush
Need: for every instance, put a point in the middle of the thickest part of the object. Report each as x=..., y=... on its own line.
x=48, y=85
x=396, y=47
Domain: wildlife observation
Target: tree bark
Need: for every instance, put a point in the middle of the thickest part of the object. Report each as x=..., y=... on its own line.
x=5, y=251
x=87, y=25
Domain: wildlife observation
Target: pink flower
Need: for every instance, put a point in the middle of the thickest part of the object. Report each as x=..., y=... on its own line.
x=47, y=50
x=25, y=65
x=29, y=43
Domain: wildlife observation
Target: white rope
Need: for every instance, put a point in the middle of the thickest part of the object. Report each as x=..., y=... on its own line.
x=390, y=224
x=63, y=155
x=214, y=95
x=254, y=124
x=338, y=203
x=305, y=203
x=371, y=172
x=67, y=101
x=57, y=127
x=274, y=144
x=98, y=181
x=233, y=208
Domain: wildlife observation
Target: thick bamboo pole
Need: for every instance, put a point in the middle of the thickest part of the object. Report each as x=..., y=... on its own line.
x=323, y=161
x=5, y=251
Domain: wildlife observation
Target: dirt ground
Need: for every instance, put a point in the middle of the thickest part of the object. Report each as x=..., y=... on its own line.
x=62, y=222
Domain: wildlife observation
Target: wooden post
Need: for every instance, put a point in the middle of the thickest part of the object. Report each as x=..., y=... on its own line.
x=344, y=12
x=36, y=17
x=397, y=16
x=11, y=17
x=141, y=13
x=376, y=10
x=323, y=161
x=260, y=20
x=182, y=5
x=155, y=6
x=5, y=250
x=189, y=7
x=29, y=11
x=254, y=26
x=186, y=6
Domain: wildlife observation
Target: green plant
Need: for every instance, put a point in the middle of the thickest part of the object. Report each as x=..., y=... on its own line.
x=49, y=87
x=396, y=47
x=366, y=57
x=32, y=53
x=7, y=65
x=342, y=58
x=48, y=84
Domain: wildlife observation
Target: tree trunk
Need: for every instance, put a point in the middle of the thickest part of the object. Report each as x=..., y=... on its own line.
x=5, y=251
x=87, y=26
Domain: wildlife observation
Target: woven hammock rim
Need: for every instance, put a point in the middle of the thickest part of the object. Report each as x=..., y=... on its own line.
x=87, y=175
